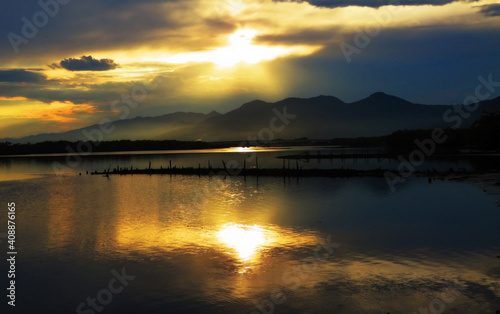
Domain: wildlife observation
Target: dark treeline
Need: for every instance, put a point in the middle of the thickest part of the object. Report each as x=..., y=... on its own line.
x=377, y=141
x=483, y=135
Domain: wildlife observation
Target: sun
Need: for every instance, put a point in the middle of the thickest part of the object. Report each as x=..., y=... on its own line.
x=240, y=49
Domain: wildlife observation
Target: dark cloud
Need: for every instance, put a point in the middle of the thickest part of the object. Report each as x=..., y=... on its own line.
x=300, y=37
x=64, y=91
x=99, y=95
x=490, y=10
x=95, y=25
x=87, y=63
x=21, y=76
x=78, y=28
x=370, y=3
x=425, y=65
x=403, y=62
x=54, y=66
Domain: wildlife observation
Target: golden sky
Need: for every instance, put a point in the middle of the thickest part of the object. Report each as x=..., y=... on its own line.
x=195, y=55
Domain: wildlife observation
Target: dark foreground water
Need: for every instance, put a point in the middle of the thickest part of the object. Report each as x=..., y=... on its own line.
x=180, y=244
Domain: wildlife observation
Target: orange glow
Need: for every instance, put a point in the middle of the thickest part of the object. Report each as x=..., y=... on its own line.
x=58, y=116
x=12, y=98
x=56, y=111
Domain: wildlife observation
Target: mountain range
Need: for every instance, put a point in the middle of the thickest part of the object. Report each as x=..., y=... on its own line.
x=321, y=117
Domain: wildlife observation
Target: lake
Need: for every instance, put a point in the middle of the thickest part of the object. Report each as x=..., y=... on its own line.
x=189, y=244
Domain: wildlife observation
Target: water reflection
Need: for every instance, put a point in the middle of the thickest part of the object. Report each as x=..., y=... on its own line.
x=211, y=245
x=245, y=240
x=19, y=167
x=16, y=176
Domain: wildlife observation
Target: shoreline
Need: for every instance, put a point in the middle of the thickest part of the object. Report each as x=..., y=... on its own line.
x=488, y=182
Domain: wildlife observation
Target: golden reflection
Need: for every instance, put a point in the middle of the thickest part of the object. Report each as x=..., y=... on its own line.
x=17, y=176
x=61, y=203
x=246, y=240
x=251, y=149
x=216, y=219
x=153, y=224
x=245, y=149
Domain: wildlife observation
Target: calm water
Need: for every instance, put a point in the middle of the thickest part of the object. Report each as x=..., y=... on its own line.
x=215, y=245
x=10, y=168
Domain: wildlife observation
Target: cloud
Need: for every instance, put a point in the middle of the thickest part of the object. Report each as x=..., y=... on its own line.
x=21, y=76
x=28, y=117
x=490, y=10
x=299, y=37
x=171, y=26
x=418, y=54
x=403, y=62
x=369, y=3
x=87, y=63
x=54, y=66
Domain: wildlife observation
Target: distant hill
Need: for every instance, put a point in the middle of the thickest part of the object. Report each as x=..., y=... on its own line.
x=132, y=129
x=321, y=117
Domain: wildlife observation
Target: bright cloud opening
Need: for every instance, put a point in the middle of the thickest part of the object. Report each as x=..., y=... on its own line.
x=239, y=49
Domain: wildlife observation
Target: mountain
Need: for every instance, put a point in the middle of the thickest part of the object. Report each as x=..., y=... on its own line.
x=319, y=117
x=133, y=129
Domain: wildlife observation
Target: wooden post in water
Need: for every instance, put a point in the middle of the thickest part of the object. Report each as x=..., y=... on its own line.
x=245, y=170
x=170, y=162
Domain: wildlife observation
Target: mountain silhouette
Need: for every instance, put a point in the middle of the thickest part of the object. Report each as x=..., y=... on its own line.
x=320, y=117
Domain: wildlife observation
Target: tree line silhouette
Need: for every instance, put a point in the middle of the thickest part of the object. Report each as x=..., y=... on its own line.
x=484, y=135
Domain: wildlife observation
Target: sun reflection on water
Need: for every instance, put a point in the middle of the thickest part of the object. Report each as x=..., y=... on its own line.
x=245, y=149
x=245, y=240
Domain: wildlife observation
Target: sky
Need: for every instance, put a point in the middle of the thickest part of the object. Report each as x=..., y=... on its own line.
x=66, y=64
